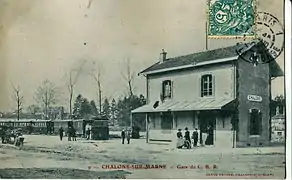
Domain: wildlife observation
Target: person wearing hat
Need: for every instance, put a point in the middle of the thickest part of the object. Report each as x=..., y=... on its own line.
x=123, y=135
x=187, y=135
x=195, y=137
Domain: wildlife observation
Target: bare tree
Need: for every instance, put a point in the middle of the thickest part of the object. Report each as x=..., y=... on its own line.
x=97, y=79
x=128, y=76
x=18, y=98
x=71, y=84
x=46, y=95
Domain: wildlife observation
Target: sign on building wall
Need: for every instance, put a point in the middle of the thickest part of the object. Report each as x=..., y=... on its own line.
x=254, y=98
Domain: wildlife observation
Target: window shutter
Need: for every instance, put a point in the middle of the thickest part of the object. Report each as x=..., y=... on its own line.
x=260, y=122
x=248, y=122
x=201, y=87
x=213, y=85
x=162, y=90
x=171, y=89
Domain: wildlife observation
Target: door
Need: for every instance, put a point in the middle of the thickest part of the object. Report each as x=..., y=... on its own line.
x=207, y=124
x=166, y=121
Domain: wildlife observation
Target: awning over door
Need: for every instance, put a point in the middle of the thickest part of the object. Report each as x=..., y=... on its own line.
x=170, y=105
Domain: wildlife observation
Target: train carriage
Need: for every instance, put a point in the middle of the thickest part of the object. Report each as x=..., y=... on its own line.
x=28, y=126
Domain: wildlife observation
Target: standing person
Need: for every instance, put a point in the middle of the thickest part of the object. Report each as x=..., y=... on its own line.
x=187, y=137
x=88, y=134
x=61, y=133
x=204, y=136
x=180, y=141
x=128, y=136
x=69, y=133
x=209, y=140
x=195, y=137
x=74, y=133
x=123, y=135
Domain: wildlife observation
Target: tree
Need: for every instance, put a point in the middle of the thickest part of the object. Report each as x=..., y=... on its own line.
x=71, y=84
x=113, y=112
x=18, y=98
x=85, y=108
x=94, y=110
x=129, y=77
x=126, y=105
x=106, y=108
x=33, y=109
x=46, y=95
x=77, y=107
x=97, y=79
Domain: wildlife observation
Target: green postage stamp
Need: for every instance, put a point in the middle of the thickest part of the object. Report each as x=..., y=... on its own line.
x=231, y=18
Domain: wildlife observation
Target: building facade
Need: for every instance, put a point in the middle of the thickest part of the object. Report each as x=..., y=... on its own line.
x=218, y=91
x=278, y=127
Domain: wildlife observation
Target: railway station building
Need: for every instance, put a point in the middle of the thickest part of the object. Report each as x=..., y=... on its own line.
x=218, y=88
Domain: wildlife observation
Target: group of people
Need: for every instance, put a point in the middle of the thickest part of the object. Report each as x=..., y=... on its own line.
x=72, y=133
x=126, y=134
x=6, y=135
x=185, y=141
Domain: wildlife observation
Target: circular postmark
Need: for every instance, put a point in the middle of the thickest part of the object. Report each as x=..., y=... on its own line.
x=271, y=33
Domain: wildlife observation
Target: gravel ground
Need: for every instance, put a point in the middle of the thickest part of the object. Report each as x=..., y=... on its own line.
x=53, y=173
x=47, y=153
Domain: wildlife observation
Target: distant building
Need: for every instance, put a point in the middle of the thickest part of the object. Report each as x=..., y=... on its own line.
x=215, y=90
x=278, y=127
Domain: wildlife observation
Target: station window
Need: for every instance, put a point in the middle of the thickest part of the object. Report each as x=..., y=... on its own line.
x=207, y=85
x=255, y=122
x=166, y=89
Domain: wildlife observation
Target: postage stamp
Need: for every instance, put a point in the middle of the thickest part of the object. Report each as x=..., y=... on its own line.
x=231, y=18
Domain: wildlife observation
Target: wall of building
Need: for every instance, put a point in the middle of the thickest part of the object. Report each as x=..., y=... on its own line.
x=223, y=135
x=278, y=130
x=187, y=85
x=253, y=80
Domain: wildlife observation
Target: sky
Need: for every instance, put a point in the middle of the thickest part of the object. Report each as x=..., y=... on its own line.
x=47, y=39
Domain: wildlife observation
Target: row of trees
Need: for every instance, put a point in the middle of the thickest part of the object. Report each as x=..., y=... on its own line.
x=118, y=112
x=47, y=94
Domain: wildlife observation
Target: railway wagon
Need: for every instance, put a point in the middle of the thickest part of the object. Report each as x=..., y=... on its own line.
x=100, y=129
x=28, y=126
x=97, y=125
x=78, y=124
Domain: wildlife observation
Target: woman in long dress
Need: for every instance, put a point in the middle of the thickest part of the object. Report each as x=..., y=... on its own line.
x=180, y=140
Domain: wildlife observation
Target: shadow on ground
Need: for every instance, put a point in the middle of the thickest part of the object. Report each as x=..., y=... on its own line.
x=59, y=173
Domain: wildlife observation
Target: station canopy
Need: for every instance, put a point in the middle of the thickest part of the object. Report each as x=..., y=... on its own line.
x=171, y=105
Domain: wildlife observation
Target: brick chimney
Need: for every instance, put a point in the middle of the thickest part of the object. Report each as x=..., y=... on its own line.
x=162, y=56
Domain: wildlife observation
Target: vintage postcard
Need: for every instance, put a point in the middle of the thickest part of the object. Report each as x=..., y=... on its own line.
x=144, y=89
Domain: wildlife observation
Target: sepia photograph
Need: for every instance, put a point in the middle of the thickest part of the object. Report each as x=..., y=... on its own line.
x=145, y=89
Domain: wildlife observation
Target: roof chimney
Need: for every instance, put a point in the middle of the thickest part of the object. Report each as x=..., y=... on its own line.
x=163, y=56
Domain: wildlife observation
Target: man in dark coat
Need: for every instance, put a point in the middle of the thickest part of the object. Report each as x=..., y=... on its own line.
x=61, y=133
x=195, y=137
x=69, y=133
x=74, y=134
x=128, y=134
x=187, y=136
x=88, y=134
x=123, y=135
